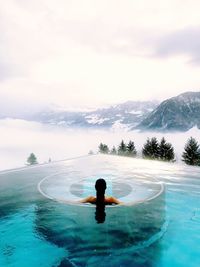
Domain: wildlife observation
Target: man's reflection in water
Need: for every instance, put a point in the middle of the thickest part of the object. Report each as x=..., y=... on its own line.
x=100, y=200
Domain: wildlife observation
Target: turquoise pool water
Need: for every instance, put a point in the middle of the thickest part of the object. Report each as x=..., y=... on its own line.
x=36, y=230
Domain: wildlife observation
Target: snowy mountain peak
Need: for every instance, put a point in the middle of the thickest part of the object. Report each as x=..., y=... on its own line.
x=177, y=113
x=127, y=114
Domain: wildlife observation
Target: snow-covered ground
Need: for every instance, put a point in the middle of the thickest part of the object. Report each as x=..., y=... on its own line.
x=19, y=138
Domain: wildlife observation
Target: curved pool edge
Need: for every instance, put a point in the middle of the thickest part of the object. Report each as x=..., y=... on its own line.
x=76, y=203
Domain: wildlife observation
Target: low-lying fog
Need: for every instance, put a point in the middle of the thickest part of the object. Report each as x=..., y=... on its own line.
x=19, y=138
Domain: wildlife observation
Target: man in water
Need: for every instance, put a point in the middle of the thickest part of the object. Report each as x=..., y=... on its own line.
x=100, y=198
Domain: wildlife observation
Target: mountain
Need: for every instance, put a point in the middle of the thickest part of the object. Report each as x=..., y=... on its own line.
x=179, y=113
x=125, y=115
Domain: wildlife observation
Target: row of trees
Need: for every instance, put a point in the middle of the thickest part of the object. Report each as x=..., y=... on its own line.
x=123, y=149
x=153, y=149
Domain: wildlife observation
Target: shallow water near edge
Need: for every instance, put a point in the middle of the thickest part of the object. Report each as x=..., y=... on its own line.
x=160, y=232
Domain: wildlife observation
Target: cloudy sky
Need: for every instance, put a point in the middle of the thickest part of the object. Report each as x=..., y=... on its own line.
x=79, y=53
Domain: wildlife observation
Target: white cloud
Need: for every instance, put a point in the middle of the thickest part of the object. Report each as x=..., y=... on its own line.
x=82, y=53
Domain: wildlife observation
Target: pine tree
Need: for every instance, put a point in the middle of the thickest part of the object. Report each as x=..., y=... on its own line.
x=113, y=151
x=31, y=160
x=130, y=149
x=146, y=150
x=191, y=154
x=151, y=149
x=103, y=148
x=122, y=148
x=166, y=151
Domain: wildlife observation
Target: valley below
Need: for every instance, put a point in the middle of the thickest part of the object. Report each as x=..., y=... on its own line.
x=19, y=138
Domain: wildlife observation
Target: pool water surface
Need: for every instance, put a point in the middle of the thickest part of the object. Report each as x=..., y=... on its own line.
x=42, y=223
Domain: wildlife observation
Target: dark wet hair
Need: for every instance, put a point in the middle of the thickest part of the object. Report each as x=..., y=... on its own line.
x=100, y=185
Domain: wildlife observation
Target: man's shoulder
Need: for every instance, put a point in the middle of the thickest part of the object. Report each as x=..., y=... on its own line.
x=112, y=200
x=91, y=199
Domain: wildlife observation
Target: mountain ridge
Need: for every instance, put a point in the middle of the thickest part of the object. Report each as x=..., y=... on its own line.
x=127, y=115
x=178, y=113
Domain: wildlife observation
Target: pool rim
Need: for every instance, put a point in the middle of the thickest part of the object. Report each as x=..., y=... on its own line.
x=133, y=203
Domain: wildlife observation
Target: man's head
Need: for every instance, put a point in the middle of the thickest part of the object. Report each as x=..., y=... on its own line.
x=100, y=186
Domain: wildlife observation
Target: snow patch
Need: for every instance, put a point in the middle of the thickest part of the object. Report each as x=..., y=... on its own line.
x=95, y=119
x=118, y=126
x=135, y=112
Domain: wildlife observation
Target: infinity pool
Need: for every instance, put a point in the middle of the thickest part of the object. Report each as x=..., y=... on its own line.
x=43, y=223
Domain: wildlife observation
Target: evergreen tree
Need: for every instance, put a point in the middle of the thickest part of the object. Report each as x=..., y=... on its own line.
x=151, y=149
x=122, y=148
x=130, y=149
x=113, y=151
x=191, y=154
x=166, y=151
x=31, y=160
x=103, y=148
x=146, y=150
